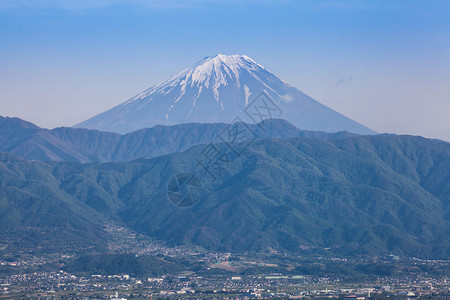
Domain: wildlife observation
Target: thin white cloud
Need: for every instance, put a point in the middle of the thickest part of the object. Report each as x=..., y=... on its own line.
x=337, y=5
x=287, y=98
x=89, y=4
x=95, y=4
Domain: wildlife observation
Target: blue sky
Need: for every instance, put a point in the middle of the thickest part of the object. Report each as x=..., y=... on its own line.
x=385, y=64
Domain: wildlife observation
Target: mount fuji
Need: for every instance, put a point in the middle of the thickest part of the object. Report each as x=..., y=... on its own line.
x=218, y=89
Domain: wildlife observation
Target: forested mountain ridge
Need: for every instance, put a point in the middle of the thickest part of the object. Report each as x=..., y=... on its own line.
x=30, y=142
x=357, y=195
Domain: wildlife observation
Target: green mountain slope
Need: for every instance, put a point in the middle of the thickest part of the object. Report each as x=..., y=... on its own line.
x=358, y=195
x=37, y=215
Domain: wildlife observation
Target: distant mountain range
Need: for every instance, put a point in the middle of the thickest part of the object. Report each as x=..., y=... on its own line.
x=30, y=142
x=217, y=90
x=350, y=195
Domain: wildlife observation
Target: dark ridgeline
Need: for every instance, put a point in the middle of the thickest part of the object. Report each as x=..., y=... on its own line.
x=30, y=142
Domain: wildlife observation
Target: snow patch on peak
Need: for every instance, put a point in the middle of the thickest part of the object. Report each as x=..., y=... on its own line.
x=247, y=94
x=211, y=72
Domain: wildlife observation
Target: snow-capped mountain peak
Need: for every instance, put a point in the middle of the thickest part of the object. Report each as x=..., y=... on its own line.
x=212, y=72
x=217, y=89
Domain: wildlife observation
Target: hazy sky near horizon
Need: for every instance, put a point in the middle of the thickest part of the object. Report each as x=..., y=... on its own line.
x=385, y=64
